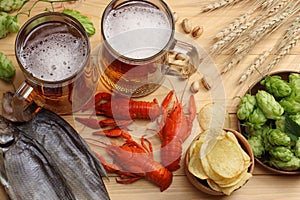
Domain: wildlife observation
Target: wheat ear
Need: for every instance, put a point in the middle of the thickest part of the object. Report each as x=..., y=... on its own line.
x=220, y=4
x=239, y=53
x=265, y=4
x=219, y=45
x=277, y=7
x=283, y=52
x=283, y=44
x=291, y=32
x=239, y=27
x=266, y=27
x=257, y=63
x=272, y=23
x=289, y=41
x=245, y=44
x=233, y=25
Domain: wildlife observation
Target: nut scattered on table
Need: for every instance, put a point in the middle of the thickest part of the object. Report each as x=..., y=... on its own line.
x=186, y=26
x=197, y=31
x=195, y=87
x=206, y=82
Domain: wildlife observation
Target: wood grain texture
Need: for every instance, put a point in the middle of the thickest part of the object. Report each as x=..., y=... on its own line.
x=264, y=184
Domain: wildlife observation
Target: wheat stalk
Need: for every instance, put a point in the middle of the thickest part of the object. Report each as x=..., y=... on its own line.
x=245, y=44
x=239, y=53
x=233, y=25
x=283, y=52
x=266, y=4
x=267, y=26
x=219, y=4
x=218, y=46
x=292, y=32
x=225, y=42
x=284, y=45
x=257, y=63
x=242, y=24
x=277, y=7
x=289, y=41
x=271, y=24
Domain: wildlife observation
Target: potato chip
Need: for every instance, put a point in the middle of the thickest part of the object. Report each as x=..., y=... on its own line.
x=231, y=181
x=213, y=185
x=226, y=158
x=195, y=165
x=213, y=115
x=245, y=155
x=208, y=170
x=229, y=190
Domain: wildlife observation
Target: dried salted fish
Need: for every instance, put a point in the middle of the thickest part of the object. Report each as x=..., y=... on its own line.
x=26, y=169
x=80, y=168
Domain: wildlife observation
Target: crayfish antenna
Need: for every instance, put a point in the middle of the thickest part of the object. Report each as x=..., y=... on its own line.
x=192, y=109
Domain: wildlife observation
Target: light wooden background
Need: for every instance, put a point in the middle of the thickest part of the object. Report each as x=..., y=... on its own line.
x=263, y=185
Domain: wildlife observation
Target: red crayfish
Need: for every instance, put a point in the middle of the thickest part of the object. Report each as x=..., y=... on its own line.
x=121, y=110
x=133, y=161
x=176, y=128
x=122, y=107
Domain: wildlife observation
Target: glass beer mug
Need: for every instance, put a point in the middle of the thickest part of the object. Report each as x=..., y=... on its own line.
x=137, y=36
x=53, y=52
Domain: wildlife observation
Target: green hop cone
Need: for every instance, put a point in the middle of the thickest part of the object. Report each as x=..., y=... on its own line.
x=8, y=24
x=11, y=5
x=297, y=148
x=291, y=165
x=276, y=86
x=85, y=22
x=291, y=104
x=3, y=24
x=294, y=80
x=13, y=24
x=279, y=138
x=257, y=119
x=257, y=145
x=281, y=153
x=267, y=103
x=7, y=70
x=246, y=107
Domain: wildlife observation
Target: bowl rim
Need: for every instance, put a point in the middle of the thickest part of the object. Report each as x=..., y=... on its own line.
x=241, y=129
x=201, y=184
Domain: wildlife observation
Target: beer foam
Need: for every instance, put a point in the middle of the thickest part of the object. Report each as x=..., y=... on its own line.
x=137, y=30
x=55, y=57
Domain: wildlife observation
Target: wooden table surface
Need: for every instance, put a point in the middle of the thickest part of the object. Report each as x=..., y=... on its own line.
x=264, y=184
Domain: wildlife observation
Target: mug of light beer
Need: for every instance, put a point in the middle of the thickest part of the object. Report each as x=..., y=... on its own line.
x=137, y=36
x=53, y=52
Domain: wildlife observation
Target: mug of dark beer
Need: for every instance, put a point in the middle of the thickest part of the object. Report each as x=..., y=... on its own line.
x=53, y=52
x=137, y=36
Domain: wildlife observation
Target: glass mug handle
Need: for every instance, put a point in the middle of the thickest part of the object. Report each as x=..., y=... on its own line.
x=24, y=108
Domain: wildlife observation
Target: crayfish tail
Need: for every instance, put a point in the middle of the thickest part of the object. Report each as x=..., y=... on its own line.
x=167, y=180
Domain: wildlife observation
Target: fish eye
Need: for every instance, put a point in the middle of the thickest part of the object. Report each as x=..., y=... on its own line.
x=6, y=140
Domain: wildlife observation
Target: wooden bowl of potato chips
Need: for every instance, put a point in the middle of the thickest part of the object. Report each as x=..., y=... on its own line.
x=219, y=161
